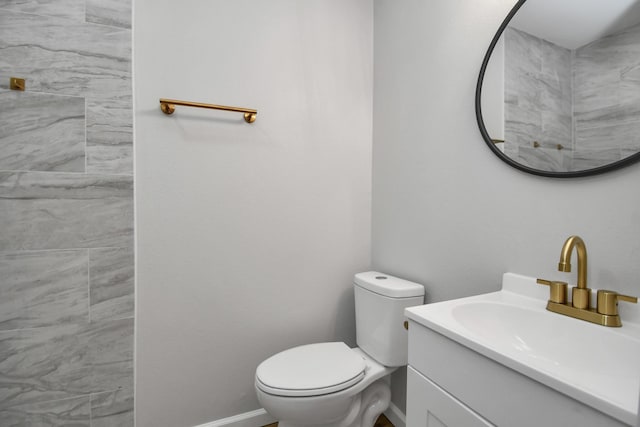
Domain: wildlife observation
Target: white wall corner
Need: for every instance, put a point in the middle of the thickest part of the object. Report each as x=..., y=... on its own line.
x=256, y=418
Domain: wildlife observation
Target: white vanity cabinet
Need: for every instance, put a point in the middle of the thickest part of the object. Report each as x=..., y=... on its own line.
x=451, y=385
x=430, y=406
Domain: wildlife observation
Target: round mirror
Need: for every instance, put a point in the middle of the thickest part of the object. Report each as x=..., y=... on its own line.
x=559, y=89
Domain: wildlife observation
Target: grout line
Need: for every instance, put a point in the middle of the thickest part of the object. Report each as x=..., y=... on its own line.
x=40, y=92
x=86, y=125
x=42, y=327
x=127, y=175
x=28, y=251
x=89, y=284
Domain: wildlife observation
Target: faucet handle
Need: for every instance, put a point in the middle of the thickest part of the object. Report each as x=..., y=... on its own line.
x=608, y=302
x=558, y=290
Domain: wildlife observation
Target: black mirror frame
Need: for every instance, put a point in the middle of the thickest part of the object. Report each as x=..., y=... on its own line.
x=487, y=139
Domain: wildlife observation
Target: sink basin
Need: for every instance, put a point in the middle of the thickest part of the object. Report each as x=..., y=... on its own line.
x=599, y=366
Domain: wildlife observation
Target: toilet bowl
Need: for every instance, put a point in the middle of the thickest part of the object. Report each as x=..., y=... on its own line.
x=341, y=399
x=330, y=384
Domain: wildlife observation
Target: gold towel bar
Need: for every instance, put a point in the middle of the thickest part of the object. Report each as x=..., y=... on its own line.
x=536, y=144
x=168, y=106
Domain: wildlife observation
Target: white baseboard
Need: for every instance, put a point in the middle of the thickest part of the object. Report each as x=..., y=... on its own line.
x=395, y=415
x=256, y=418
x=260, y=417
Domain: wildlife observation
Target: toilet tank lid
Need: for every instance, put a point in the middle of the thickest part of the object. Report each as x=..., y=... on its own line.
x=387, y=285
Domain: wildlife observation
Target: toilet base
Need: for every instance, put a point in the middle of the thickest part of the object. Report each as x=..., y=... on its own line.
x=363, y=411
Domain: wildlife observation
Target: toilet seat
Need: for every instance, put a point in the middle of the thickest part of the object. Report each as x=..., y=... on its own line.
x=311, y=370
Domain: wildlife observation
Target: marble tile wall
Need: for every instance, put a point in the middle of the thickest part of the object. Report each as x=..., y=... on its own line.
x=538, y=104
x=66, y=214
x=607, y=99
x=587, y=99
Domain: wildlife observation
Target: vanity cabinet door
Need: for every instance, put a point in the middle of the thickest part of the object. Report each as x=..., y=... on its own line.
x=430, y=406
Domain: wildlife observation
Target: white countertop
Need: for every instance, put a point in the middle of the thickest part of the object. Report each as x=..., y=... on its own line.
x=596, y=365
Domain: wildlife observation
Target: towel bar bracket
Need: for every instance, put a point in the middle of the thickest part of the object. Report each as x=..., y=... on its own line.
x=167, y=108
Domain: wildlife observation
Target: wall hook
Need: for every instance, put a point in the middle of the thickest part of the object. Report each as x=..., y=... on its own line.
x=16, y=83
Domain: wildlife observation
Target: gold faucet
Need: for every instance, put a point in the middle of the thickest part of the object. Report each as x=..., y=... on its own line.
x=606, y=311
x=581, y=295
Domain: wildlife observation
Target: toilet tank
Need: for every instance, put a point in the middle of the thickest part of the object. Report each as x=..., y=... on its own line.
x=380, y=300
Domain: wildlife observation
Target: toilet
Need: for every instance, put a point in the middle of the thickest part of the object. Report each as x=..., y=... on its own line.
x=330, y=384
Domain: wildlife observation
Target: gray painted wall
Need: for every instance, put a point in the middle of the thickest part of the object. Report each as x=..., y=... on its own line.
x=446, y=211
x=66, y=214
x=248, y=236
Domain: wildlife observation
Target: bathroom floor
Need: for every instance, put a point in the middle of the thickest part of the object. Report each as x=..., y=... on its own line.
x=382, y=422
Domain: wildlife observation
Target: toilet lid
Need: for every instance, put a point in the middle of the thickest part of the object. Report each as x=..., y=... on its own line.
x=311, y=370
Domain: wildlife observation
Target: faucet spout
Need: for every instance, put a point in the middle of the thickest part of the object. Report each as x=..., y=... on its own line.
x=581, y=295
x=565, y=259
